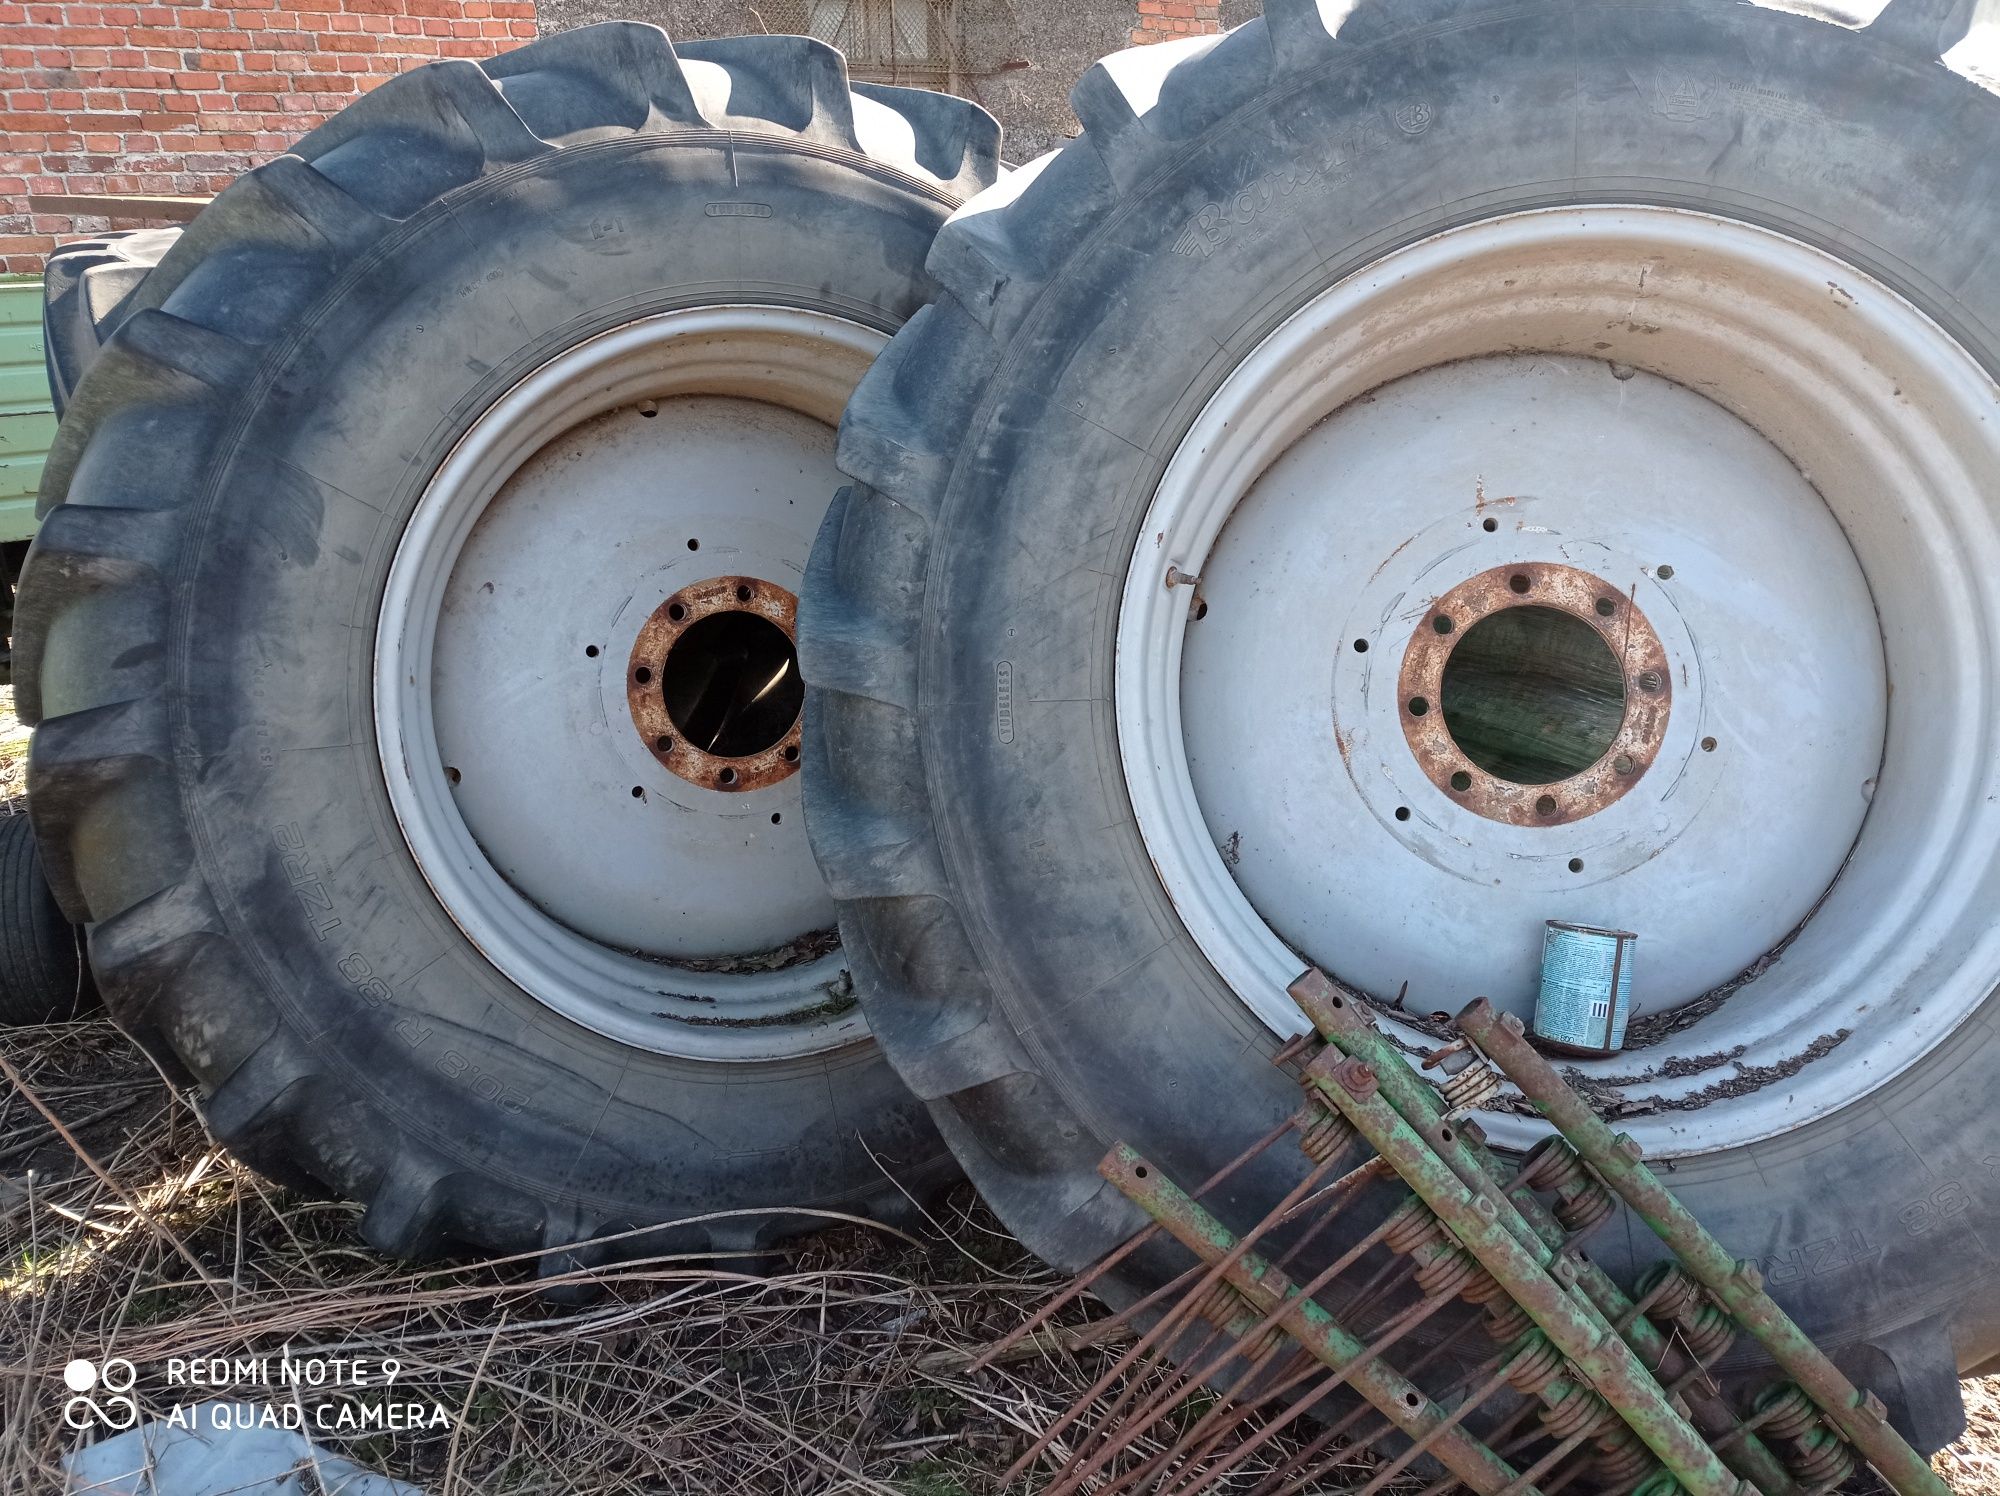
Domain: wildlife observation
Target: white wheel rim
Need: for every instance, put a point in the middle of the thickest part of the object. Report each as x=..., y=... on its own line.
x=614, y=890
x=1848, y=393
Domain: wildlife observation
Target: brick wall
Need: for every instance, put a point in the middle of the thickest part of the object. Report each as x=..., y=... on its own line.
x=178, y=99
x=1163, y=20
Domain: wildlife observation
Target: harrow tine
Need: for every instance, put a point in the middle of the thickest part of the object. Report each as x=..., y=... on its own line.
x=1457, y=1415
x=1083, y=1282
x=1214, y=1275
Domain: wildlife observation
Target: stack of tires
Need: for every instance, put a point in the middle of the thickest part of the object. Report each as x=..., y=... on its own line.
x=448, y=623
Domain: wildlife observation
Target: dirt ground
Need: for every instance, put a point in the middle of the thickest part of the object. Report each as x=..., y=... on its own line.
x=125, y=1230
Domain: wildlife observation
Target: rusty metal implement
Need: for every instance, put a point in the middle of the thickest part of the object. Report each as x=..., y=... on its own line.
x=1558, y=1379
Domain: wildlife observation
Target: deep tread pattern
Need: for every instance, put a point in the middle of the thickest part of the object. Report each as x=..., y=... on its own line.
x=43, y=978
x=139, y=429
x=87, y=287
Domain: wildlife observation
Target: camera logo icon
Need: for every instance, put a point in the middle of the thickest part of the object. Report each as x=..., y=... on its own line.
x=101, y=1394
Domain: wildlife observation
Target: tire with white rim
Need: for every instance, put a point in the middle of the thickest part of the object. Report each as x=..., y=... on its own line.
x=409, y=640
x=1401, y=478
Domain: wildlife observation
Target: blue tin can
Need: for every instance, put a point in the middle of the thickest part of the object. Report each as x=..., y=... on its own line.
x=1586, y=988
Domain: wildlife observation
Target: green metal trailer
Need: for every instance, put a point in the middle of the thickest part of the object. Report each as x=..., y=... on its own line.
x=27, y=418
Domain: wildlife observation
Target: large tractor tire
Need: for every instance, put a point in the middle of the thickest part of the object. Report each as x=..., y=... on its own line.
x=408, y=639
x=88, y=287
x=43, y=978
x=1408, y=472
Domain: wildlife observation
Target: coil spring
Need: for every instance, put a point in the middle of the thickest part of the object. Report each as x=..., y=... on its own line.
x=1470, y=1089
x=1677, y=1301
x=1585, y=1207
x=1550, y=1165
x=1709, y=1331
x=1570, y=1408
x=1220, y=1304
x=1443, y=1271
x=1821, y=1459
x=1623, y=1463
x=1507, y=1321
x=1669, y=1291
x=1411, y=1225
x=1784, y=1411
x=1533, y=1362
x=1324, y=1134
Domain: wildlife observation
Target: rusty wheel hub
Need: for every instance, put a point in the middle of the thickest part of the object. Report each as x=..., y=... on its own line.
x=1489, y=725
x=713, y=684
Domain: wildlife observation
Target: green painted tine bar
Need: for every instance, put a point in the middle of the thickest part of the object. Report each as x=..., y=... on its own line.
x=1737, y=1285
x=1525, y=1272
x=1349, y=1029
x=1266, y=1287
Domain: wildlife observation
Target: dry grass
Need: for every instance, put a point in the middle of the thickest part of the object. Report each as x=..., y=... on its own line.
x=843, y=1370
x=127, y=1231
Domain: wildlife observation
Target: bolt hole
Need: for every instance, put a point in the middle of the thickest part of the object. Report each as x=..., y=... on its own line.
x=1649, y=680
x=776, y=818
x=663, y=744
x=1361, y=646
x=1402, y=812
x=1664, y=573
x=643, y=674
x=791, y=753
x=648, y=408
x=1546, y=805
x=727, y=776
x=693, y=544
x=638, y=792
x=1461, y=780
x=1623, y=763
x=1200, y=611
x=1489, y=524
x=742, y=593
x=1518, y=582
x=1411, y=1400
x=590, y=650
x=1418, y=706
x=1142, y=1172
x=451, y=774
x=1708, y=745
x=677, y=611
x=1576, y=864
x=1445, y=1133
x=1441, y=624
x=1606, y=607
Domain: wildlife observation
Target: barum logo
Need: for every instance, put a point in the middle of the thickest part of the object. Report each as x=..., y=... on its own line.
x=101, y=1394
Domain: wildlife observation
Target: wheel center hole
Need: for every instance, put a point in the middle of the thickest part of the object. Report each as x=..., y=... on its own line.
x=731, y=684
x=1532, y=695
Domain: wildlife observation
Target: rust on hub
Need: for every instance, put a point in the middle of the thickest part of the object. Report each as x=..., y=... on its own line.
x=647, y=673
x=1617, y=619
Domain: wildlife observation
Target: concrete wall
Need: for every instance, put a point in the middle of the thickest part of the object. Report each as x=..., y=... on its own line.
x=1019, y=58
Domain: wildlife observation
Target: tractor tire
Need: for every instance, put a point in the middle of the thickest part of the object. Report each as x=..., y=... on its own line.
x=362, y=538
x=1318, y=330
x=43, y=978
x=87, y=288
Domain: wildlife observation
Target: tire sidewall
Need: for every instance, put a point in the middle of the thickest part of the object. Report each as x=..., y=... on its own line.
x=274, y=605
x=1870, y=1220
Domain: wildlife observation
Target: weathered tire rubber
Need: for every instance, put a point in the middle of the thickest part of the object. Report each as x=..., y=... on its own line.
x=1014, y=949
x=87, y=288
x=43, y=978
x=196, y=616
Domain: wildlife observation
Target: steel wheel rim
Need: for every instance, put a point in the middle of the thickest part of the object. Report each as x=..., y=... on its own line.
x=758, y=386
x=1845, y=380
